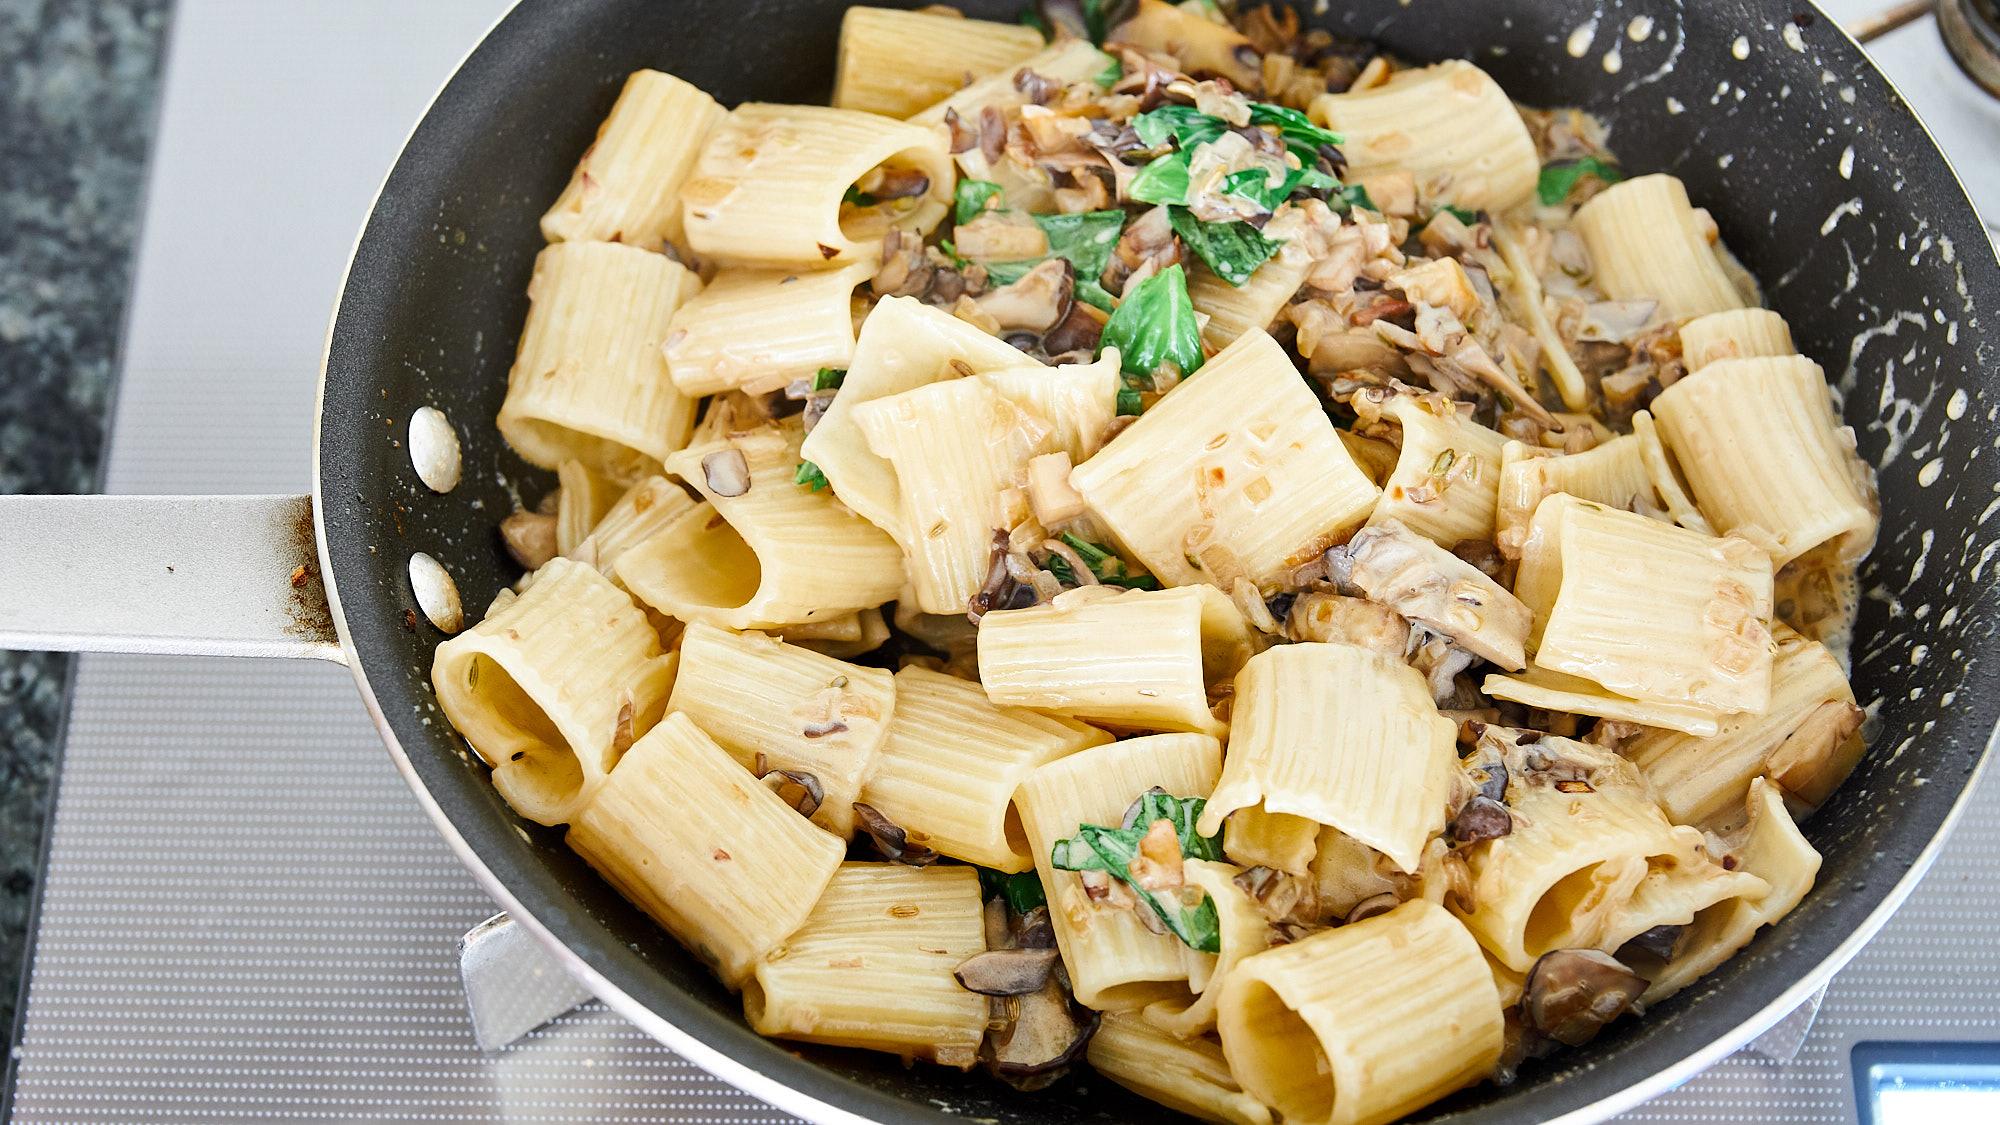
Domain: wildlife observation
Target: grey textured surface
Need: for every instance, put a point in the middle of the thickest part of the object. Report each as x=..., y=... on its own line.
x=248, y=917
x=77, y=91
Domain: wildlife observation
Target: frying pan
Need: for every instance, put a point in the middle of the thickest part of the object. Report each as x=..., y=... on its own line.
x=1822, y=181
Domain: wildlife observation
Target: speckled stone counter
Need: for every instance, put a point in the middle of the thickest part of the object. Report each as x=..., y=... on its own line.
x=78, y=81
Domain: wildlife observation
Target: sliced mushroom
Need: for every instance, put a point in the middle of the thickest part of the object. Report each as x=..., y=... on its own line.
x=1202, y=45
x=1396, y=567
x=890, y=838
x=964, y=138
x=1572, y=993
x=1035, y=303
x=530, y=538
x=1371, y=906
x=1657, y=943
x=1033, y=930
x=1048, y=1033
x=1816, y=757
x=796, y=788
x=1354, y=621
x=1491, y=777
x=1482, y=818
x=896, y=182
x=1079, y=331
x=726, y=472
x=1006, y=972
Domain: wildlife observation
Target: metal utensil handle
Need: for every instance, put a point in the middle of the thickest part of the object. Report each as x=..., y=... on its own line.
x=190, y=575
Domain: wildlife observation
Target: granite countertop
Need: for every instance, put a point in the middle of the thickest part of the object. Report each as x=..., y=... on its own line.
x=76, y=127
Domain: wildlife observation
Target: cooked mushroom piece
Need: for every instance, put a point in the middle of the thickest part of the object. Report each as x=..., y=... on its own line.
x=1572, y=993
x=530, y=538
x=726, y=472
x=1049, y=1032
x=1037, y=302
x=800, y=790
x=890, y=839
x=1034, y=931
x=1482, y=818
x=1371, y=906
x=1396, y=567
x=1006, y=972
x=1657, y=943
x=1816, y=757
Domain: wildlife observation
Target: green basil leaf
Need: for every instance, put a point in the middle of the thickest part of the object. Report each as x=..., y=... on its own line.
x=1232, y=250
x=829, y=378
x=857, y=197
x=1007, y=273
x=951, y=251
x=1351, y=196
x=809, y=475
x=971, y=198
x=1463, y=215
x=1296, y=129
x=1154, y=326
x=1093, y=294
x=1107, y=566
x=1022, y=891
x=1112, y=850
x=1110, y=75
x=1130, y=405
x=1558, y=180
x=1086, y=239
x=1187, y=125
x=1164, y=180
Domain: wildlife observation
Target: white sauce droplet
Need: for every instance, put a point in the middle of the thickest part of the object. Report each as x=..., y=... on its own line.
x=434, y=449
x=1955, y=409
x=1725, y=160
x=1740, y=48
x=1639, y=28
x=437, y=594
x=1674, y=106
x=1792, y=38
x=1847, y=94
x=1847, y=163
x=1928, y=475
x=1580, y=39
x=1614, y=60
x=1851, y=207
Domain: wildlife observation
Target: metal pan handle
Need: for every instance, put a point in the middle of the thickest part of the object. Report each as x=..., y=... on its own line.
x=187, y=575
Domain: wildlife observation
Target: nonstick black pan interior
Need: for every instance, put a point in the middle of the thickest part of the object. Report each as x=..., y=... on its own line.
x=1875, y=258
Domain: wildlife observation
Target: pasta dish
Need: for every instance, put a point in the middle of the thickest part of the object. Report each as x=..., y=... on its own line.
x=1160, y=539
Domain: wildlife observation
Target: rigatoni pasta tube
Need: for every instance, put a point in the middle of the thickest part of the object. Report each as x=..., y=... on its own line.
x=958, y=448
x=553, y=686
x=951, y=761
x=586, y=497
x=1447, y=479
x=1341, y=736
x=774, y=553
x=704, y=848
x=1236, y=472
x=627, y=187
x=1699, y=636
x=1243, y=929
x=790, y=708
x=1362, y=1024
x=1233, y=310
x=1698, y=779
x=1134, y=659
x=1450, y=124
x=1188, y=1075
x=757, y=330
x=1769, y=847
x=769, y=185
x=588, y=382
x=1114, y=961
x=1577, y=852
x=1612, y=474
x=895, y=63
x=872, y=966
x=1736, y=334
x=1764, y=453
x=1646, y=241
x=645, y=510
x=1553, y=691
x=904, y=344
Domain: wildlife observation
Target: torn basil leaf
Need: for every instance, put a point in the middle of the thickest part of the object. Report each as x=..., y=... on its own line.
x=1232, y=250
x=857, y=197
x=1187, y=125
x=1130, y=405
x=971, y=198
x=809, y=475
x=1154, y=326
x=1558, y=180
x=1023, y=892
x=1086, y=240
x=1107, y=566
x=1112, y=850
x=829, y=378
x=1110, y=75
x=1165, y=180
x=1349, y=197
x=1297, y=130
x=1463, y=215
